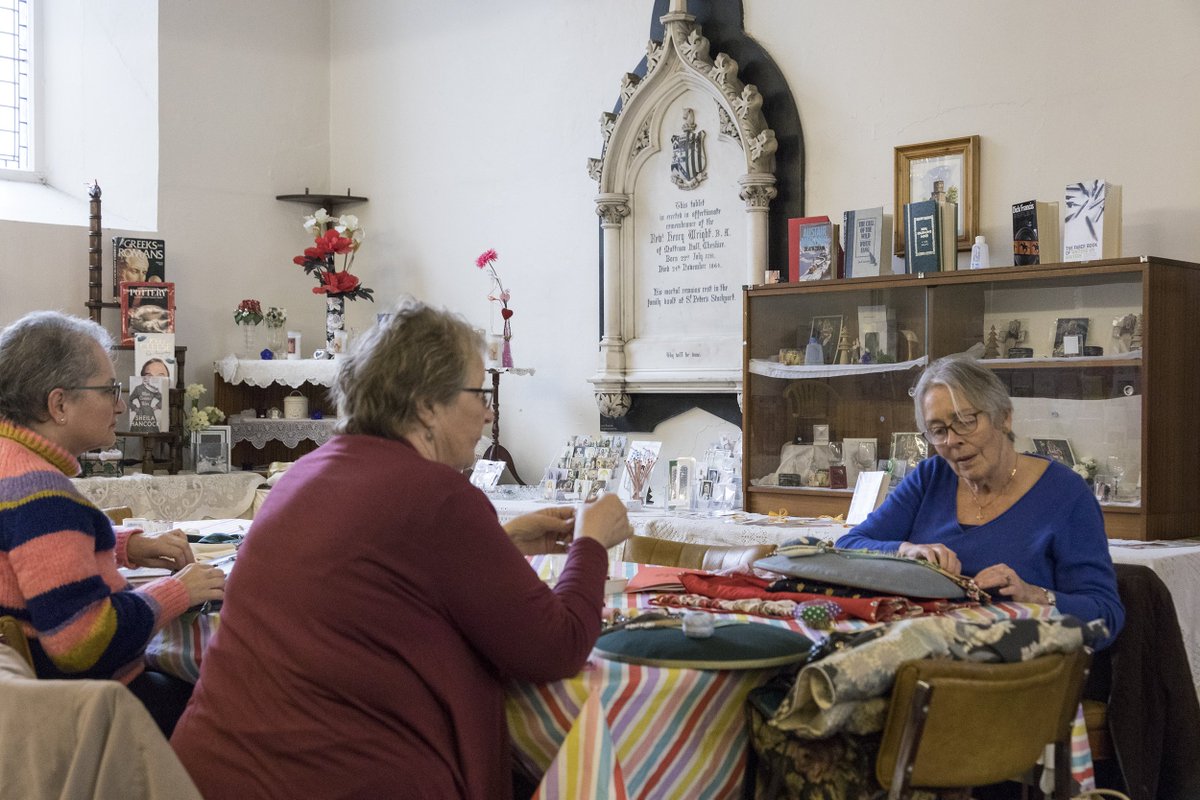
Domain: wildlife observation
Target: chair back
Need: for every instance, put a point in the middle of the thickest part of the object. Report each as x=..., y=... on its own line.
x=12, y=635
x=649, y=550
x=956, y=724
x=118, y=514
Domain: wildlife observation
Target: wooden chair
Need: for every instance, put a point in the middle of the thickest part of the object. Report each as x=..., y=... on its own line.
x=118, y=514
x=649, y=550
x=953, y=725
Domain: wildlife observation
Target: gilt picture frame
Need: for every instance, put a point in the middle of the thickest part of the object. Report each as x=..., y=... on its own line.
x=1057, y=449
x=953, y=161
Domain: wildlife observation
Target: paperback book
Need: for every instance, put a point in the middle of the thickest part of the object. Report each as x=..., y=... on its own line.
x=819, y=252
x=154, y=354
x=794, y=226
x=138, y=261
x=868, y=233
x=148, y=409
x=146, y=308
x=1092, y=226
x=1035, y=233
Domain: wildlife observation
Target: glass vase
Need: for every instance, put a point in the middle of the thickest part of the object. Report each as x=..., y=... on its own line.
x=506, y=359
x=276, y=342
x=249, y=340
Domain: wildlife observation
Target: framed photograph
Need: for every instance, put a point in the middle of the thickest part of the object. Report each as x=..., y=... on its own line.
x=859, y=456
x=486, y=474
x=827, y=331
x=1070, y=335
x=953, y=161
x=210, y=448
x=909, y=448
x=1058, y=449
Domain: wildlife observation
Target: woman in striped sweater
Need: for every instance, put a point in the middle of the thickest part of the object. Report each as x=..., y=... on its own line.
x=58, y=553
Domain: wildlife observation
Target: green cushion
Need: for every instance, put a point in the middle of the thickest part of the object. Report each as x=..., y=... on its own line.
x=743, y=645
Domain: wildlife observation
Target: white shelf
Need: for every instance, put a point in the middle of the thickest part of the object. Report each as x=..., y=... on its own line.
x=771, y=368
x=285, y=372
x=289, y=431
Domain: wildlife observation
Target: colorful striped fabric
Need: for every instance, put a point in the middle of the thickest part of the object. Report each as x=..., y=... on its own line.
x=587, y=763
x=179, y=647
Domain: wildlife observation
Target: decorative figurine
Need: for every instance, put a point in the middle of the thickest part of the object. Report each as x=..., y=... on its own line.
x=992, y=348
x=844, y=347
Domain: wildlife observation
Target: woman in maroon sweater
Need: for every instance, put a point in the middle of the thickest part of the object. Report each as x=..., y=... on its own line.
x=378, y=606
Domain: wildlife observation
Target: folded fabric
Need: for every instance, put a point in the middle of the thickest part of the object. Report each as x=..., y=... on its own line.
x=745, y=586
x=650, y=578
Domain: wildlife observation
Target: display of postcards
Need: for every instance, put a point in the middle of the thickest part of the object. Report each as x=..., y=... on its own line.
x=680, y=473
x=596, y=459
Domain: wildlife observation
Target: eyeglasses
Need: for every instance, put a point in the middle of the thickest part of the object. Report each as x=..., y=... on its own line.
x=963, y=425
x=485, y=395
x=113, y=389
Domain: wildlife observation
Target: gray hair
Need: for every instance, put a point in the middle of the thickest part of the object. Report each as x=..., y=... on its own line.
x=969, y=384
x=418, y=356
x=41, y=352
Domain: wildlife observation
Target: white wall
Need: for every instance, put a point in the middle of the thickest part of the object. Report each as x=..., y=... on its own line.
x=468, y=124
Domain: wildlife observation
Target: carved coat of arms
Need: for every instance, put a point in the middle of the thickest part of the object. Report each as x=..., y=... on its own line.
x=689, y=164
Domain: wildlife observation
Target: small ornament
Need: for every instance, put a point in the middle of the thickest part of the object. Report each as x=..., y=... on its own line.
x=818, y=614
x=992, y=348
x=844, y=348
x=267, y=354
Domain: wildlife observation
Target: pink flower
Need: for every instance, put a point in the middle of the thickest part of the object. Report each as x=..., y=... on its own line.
x=486, y=258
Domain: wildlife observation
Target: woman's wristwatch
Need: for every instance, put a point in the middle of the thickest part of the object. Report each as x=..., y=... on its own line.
x=1051, y=598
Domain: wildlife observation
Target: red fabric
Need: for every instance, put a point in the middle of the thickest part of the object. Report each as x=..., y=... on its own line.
x=375, y=611
x=737, y=587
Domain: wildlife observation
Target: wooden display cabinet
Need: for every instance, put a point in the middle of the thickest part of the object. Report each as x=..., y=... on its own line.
x=1130, y=406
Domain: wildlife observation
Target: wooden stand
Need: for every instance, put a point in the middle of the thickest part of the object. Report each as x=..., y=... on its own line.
x=497, y=451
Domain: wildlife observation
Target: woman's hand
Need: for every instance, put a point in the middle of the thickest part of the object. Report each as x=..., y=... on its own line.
x=203, y=583
x=170, y=550
x=938, y=554
x=1005, y=578
x=545, y=531
x=604, y=520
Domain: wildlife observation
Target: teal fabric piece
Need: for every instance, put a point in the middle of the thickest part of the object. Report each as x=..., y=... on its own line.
x=743, y=645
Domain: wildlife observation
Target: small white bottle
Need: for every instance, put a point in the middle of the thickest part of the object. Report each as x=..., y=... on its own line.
x=979, y=254
x=813, y=353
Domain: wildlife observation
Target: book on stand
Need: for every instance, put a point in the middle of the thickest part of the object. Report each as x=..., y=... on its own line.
x=154, y=354
x=931, y=236
x=1035, y=233
x=820, y=254
x=138, y=260
x=146, y=307
x=1092, y=225
x=868, y=243
x=794, y=226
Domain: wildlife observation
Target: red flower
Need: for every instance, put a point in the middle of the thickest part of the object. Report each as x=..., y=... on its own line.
x=506, y=312
x=485, y=258
x=334, y=242
x=336, y=283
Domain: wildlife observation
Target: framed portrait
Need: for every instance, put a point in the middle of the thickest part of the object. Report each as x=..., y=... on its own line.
x=953, y=161
x=827, y=331
x=909, y=448
x=1058, y=449
x=210, y=448
x=1070, y=335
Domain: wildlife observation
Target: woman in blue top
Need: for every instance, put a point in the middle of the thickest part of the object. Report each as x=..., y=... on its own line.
x=1026, y=527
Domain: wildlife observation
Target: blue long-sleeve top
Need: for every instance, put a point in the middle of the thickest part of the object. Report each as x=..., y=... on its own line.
x=1053, y=536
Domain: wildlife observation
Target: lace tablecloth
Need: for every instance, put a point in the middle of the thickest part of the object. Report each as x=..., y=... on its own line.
x=289, y=431
x=175, y=497
x=285, y=372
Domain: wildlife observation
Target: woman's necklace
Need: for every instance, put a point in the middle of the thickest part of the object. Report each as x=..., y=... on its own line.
x=979, y=507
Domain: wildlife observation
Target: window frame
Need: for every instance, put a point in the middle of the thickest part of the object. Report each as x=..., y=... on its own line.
x=35, y=172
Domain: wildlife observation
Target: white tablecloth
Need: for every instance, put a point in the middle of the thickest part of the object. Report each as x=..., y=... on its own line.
x=286, y=372
x=175, y=497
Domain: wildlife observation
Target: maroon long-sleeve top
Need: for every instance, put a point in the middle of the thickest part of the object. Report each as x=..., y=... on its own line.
x=374, y=611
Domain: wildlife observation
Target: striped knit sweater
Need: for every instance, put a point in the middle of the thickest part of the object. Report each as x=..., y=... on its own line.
x=58, y=569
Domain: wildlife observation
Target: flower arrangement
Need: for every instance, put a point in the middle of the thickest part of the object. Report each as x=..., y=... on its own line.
x=248, y=312
x=275, y=317
x=333, y=237
x=200, y=418
x=1086, y=468
x=487, y=260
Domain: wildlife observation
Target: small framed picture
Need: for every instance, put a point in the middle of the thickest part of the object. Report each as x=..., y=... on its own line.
x=955, y=162
x=1070, y=335
x=1058, y=449
x=859, y=456
x=210, y=448
x=486, y=474
x=909, y=448
x=827, y=331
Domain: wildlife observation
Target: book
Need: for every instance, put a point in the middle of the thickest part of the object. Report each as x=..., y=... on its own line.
x=137, y=261
x=1035, y=233
x=868, y=243
x=794, y=226
x=154, y=354
x=870, y=489
x=931, y=236
x=1092, y=225
x=146, y=308
x=820, y=254
x=148, y=407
